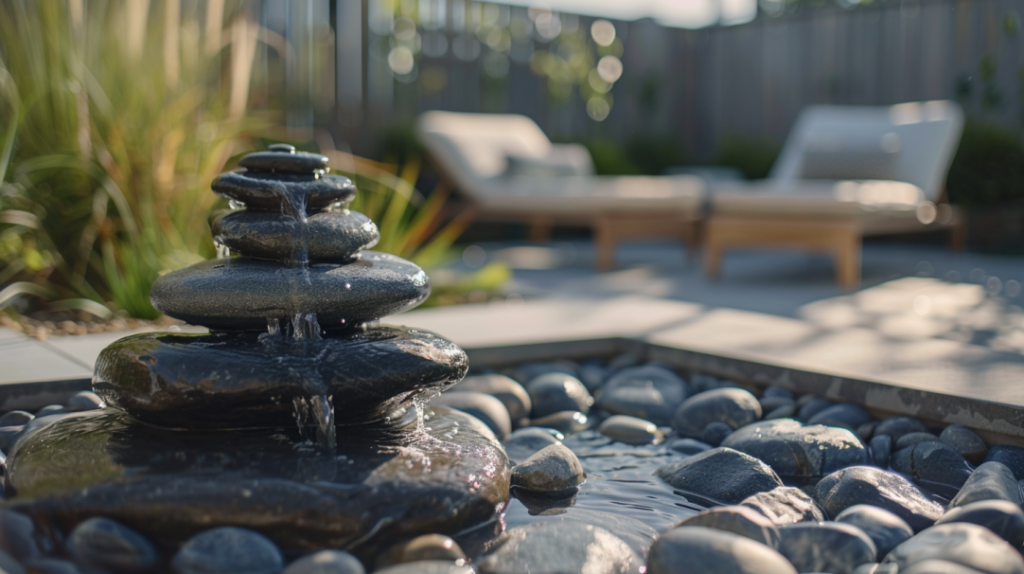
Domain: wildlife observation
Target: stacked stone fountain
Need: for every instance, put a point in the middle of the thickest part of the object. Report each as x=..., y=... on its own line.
x=295, y=416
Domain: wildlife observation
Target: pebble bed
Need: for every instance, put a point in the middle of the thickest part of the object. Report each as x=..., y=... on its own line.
x=621, y=466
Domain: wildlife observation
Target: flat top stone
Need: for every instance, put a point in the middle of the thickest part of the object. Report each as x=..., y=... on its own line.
x=282, y=159
x=720, y=476
x=792, y=449
x=287, y=192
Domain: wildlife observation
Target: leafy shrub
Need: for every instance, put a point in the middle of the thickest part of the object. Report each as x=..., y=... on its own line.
x=988, y=167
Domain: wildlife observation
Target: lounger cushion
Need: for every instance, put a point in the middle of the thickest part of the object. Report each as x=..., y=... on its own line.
x=818, y=198
x=583, y=195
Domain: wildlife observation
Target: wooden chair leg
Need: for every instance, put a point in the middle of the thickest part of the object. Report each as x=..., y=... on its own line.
x=958, y=236
x=848, y=259
x=604, y=245
x=713, y=249
x=540, y=229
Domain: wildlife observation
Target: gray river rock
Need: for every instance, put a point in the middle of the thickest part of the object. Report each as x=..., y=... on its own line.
x=990, y=481
x=794, y=450
x=826, y=547
x=649, y=392
x=734, y=407
x=887, y=490
x=325, y=236
x=697, y=550
x=553, y=469
x=557, y=548
x=785, y=505
x=1002, y=517
x=720, y=476
x=739, y=520
x=959, y=543
x=884, y=528
x=512, y=394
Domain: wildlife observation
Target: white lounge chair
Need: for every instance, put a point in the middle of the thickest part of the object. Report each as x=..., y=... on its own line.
x=509, y=170
x=844, y=172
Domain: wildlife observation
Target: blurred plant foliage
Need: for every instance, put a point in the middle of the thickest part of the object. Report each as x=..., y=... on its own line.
x=116, y=116
x=753, y=156
x=988, y=167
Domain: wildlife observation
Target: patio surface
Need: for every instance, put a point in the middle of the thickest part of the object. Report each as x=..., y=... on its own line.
x=909, y=326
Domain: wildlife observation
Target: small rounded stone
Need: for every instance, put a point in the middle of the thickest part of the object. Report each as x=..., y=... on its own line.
x=1000, y=516
x=649, y=392
x=898, y=426
x=83, y=401
x=50, y=410
x=16, y=419
x=555, y=392
x=876, y=487
x=698, y=550
x=739, y=520
x=812, y=407
x=846, y=415
x=961, y=438
x=990, y=481
x=104, y=543
x=910, y=439
x=881, y=450
x=689, y=446
x=228, y=550
x=560, y=547
x=630, y=430
x=17, y=535
x=553, y=469
x=326, y=562
x=425, y=547
x=715, y=433
x=503, y=388
x=795, y=450
x=719, y=476
x=778, y=392
x=884, y=528
x=525, y=442
x=488, y=409
x=734, y=407
x=933, y=464
x=961, y=543
x=785, y=505
x=282, y=159
x=825, y=547
x=1010, y=455
x=566, y=422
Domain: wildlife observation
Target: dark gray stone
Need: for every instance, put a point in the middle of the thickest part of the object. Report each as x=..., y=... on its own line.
x=898, y=426
x=8, y=436
x=427, y=567
x=846, y=415
x=785, y=505
x=426, y=547
x=887, y=490
x=556, y=392
x=1000, y=516
x=279, y=158
x=326, y=562
x=697, y=550
x=881, y=450
x=990, y=481
x=228, y=550
x=913, y=438
x=1011, y=456
x=398, y=482
x=630, y=430
x=83, y=401
x=960, y=543
x=935, y=567
x=50, y=410
x=16, y=419
x=567, y=422
x=592, y=375
x=825, y=547
x=553, y=469
x=794, y=450
x=715, y=433
x=812, y=407
x=488, y=409
x=525, y=442
x=325, y=236
x=9, y=565
x=51, y=566
x=783, y=412
x=647, y=392
x=636, y=534
x=934, y=465
x=778, y=392
x=866, y=430
x=242, y=380
x=526, y=372
x=769, y=404
x=104, y=543
x=512, y=394
x=689, y=446
x=739, y=520
x=556, y=548
x=734, y=407
x=279, y=192
x=721, y=475
x=241, y=293
x=884, y=528
x=963, y=440
x=17, y=535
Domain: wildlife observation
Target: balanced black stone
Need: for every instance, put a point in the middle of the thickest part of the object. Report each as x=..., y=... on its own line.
x=293, y=419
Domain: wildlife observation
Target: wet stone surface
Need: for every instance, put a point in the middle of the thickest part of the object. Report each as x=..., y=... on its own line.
x=826, y=547
x=398, y=483
x=720, y=476
x=887, y=490
x=326, y=236
x=794, y=450
x=885, y=529
x=243, y=380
